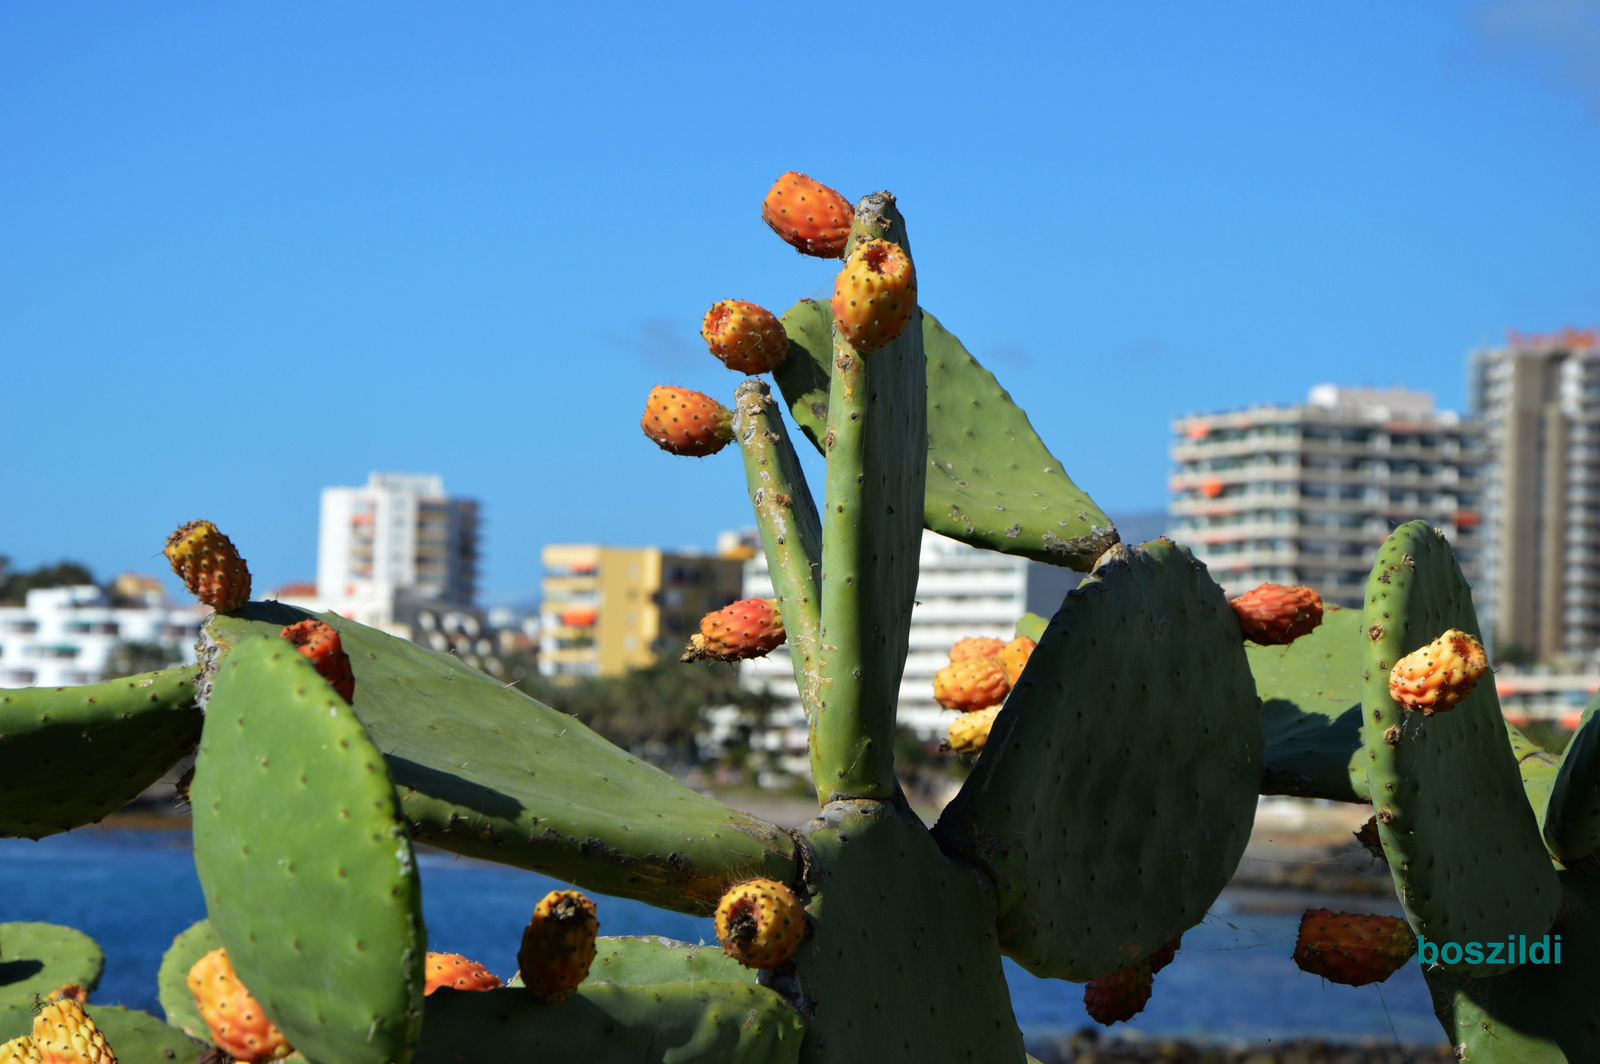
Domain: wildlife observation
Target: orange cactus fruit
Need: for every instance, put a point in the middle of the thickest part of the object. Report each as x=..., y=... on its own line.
x=749, y=628
x=455, y=972
x=810, y=217
x=558, y=945
x=20, y=1050
x=1275, y=615
x=975, y=646
x=969, y=733
x=69, y=990
x=237, y=1022
x=319, y=642
x=970, y=685
x=1432, y=679
x=209, y=566
x=746, y=337
x=760, y=923
x=1014, y=657
x=686, y=422
x=64, y=1034
x=1352, y=948
x=874, y=295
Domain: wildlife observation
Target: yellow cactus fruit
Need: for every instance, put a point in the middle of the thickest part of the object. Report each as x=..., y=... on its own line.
x=975, y=647
x=64, y=1034
x=969, y=733
x=209, y=565
x=970, y=685
x=1432, y=679
x=20, y=1051
x=237, y=1022
x=874, y=295
x=1014, y=657
x=759, y=923
x=558, y=945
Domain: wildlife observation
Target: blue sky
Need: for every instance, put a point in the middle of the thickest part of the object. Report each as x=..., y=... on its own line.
x=247, y=251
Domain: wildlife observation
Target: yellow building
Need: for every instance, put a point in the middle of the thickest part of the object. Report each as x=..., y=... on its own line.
x=610, y=609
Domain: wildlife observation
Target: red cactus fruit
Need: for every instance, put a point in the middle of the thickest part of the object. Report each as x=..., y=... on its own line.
x=457, y=973
x=810, y=217
x=238, y=1024
x=1275, y=615
x=745, y=337
x=749, y=628
x=685, y=422
x=1432, y=679
x=976, y=647
x=874, y=295
x=1120, y=996
x=1014, y=657
x=558, y=945
x=209, y=565
x=759, y=923
x=320, y=643
x=1352, y=948
x=970, y=685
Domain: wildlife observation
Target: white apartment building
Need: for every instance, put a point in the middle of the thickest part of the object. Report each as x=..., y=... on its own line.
x=392, y=544
x=1306, y=494
x=962, y=591
x=1539, y=400
x=64, y=636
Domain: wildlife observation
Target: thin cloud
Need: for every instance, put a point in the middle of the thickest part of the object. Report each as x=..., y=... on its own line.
x=660, y=342
x=1011, y=355
x=1561, y=37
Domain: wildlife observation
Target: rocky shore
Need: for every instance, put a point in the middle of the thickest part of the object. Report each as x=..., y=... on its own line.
x=1090, y=1047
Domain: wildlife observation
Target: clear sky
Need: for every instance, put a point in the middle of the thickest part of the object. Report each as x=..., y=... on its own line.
x=249, y=250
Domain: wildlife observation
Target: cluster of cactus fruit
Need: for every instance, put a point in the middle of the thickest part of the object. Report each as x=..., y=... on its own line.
x=1121, y=747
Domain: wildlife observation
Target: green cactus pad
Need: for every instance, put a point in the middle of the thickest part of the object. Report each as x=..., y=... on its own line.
x=485, y=771
x=637, y=960
x=1310, y=696
x=875, y=443
x=888, y=909
x=1462, y=841
x=991, y=480
x=1119, y=784
x=70, y=755
x=1032, y=626
x=1535, y=1013
x=172, y=980
x=36, y=959
x=1572, y=820
x=139, y=1038
x=304, y=859
x=663, y=1023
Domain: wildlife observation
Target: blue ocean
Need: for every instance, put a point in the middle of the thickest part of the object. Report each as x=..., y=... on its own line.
x=1234, y=979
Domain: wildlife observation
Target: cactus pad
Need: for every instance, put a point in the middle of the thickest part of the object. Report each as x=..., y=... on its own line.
x=35, y=959
x=70, y=755
x=637, y=960
x=1462, y=841
x=485, y=771
x=662, y=1023
x=863, y=967
x=991, y=480
x=1118, y=787
x=139, y=1038
x=1572, y=818
x=177, y=1001
x=304, y=860
x=1310, y=694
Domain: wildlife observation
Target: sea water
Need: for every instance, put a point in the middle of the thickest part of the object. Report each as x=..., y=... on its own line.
x=1234, y=979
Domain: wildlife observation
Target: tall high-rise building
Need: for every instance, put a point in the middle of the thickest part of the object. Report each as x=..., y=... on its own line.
x=606, y=610
x=397, y=538
x=1306, y=494
x=1539, y=400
